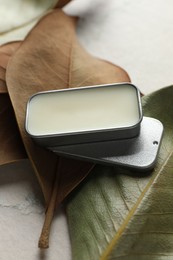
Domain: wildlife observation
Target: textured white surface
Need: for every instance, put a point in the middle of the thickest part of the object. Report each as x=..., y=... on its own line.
x=136, y=35
x=22, y=216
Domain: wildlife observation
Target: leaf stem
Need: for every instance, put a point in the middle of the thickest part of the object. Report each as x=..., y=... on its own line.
x=44, y=237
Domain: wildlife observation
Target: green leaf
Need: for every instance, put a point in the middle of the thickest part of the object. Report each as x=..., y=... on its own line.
x=119, y=214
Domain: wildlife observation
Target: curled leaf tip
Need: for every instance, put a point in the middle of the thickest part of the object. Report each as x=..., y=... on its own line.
x=62, y=3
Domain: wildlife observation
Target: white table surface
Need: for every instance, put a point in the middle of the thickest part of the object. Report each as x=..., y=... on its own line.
x=136, y=35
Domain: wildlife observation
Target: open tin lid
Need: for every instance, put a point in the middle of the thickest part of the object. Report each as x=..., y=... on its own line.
x=139, y=153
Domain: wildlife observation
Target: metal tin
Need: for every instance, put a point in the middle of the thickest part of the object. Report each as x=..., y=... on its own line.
x=138, y=153
x=83, y=95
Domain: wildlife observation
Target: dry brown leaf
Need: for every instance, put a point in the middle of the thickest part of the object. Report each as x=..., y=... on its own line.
x=52, y=58
x=11, y=148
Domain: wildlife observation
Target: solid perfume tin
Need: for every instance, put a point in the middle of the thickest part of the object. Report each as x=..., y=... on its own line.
x=84, y=115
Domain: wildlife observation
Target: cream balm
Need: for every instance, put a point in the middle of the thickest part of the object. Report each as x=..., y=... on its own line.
x=86, y=114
